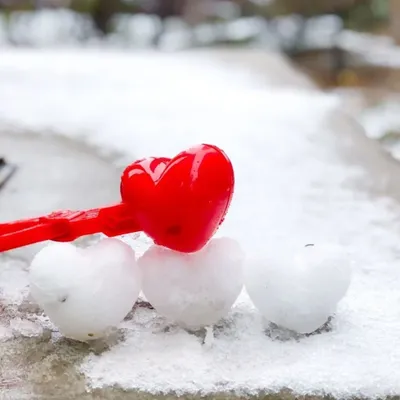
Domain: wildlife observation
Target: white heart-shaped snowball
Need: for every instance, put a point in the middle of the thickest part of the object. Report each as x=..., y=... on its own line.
x=85, y=292
x=193, y=290
x=299, y=290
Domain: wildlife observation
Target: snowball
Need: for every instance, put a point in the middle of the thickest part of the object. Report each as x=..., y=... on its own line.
x=299, y=290
x=194, y=290
x=85, y=292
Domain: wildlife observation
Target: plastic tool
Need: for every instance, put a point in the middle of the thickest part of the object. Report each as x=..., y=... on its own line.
x=178, y=202
x=66, y=226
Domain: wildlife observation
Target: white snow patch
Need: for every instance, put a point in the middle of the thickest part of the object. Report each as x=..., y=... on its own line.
x=291, y=185
x=379, y=120
x=6, y=333
x=382, y=122
x=25, y=328
x=375, y=49
x=13, y=281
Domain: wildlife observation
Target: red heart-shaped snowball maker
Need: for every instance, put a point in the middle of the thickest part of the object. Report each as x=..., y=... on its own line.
x=180, y=202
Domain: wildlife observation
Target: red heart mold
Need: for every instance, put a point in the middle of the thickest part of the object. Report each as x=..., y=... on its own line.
x=180, y=202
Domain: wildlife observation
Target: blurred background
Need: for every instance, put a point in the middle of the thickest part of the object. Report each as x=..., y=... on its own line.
x=322, y=36
x=301, y=28
x=347, y=46
x=325, y=37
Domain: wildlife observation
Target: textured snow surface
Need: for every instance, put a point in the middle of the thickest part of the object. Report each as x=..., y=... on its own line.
x=292, y=188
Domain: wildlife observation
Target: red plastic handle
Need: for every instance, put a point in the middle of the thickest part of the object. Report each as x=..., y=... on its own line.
x=66, y=226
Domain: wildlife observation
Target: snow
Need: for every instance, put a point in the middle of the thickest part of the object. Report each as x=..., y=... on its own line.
x=73, y=101
x=85, y=292
x=26, y=328
x=382, y=122
x=376, y=50
x=193, y=289
x=13, y=280
x=292, y=187
x=299, y=289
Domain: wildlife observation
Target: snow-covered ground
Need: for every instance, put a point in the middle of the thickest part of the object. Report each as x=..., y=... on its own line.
x=376, y=50
x=381, y=121
x=293, y=187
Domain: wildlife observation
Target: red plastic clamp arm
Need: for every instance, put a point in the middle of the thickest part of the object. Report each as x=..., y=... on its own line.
x=66, y=226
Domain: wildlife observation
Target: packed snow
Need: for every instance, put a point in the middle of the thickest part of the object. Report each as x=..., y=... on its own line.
x=292, y=188
x=316, y=276
x=192, y=289
x=85, y=292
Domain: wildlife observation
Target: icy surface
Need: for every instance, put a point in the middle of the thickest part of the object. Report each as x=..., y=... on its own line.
x=292, y=186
